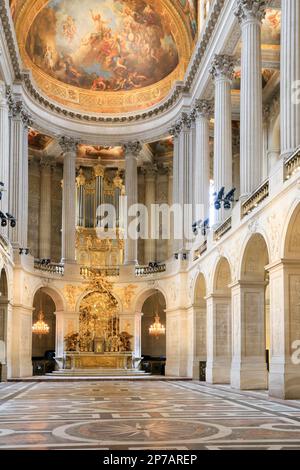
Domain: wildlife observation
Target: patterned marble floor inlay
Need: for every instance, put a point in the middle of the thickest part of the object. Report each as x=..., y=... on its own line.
x=150, y=415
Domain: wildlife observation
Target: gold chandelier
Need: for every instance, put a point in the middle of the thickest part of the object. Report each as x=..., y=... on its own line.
x=40, y=327
x=157, y=329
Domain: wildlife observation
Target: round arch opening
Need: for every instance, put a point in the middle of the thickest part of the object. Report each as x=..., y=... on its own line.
x=44, y=345
x=153, y=348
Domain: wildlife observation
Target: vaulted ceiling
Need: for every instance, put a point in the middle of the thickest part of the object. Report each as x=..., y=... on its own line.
x=108, y=56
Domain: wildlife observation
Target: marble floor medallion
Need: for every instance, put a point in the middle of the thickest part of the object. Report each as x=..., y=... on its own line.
x=158, y=415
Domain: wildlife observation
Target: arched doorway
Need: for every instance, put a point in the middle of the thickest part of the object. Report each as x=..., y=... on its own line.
x=3, y=325
x=153, y=348
x=284, y=377
x=219, y=338
x=199, y=311
x=43, y=345
x=250, y=300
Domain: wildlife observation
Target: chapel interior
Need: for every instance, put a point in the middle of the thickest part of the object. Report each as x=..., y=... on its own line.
x=112, y=104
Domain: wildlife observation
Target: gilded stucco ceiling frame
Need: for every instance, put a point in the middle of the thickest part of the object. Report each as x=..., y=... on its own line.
x=106, y=102
x=175, y=95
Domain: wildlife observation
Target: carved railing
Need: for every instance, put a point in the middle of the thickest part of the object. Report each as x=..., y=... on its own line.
x=255, y=199
x=148, y=270
x=5, y=245
x=200, y=251
x=89, y=272
x=51, y=268
x=292, y=165
x=223, y=229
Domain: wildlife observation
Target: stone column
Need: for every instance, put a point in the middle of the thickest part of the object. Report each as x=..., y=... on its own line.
x=186, y=175
x=175, y=132
x=18, y=172
x=199, y=338
x=150, y=199
x=290, y=76
x=80, y=212
x=132, y=151
x=218, y=339
x=45, y=210
x=201, y=160
x=284, y=377
x=222, y=71
x=250, y=14
x=69, y=147
x=4, y=151
x=170, y=202
x=249, y=368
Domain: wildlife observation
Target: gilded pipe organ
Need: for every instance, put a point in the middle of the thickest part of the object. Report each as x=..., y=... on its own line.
x=98, y=187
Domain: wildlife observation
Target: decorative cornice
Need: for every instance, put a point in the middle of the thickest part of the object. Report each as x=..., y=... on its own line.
x=68, y=144
x=222, y=66
x=179, y=90
x=250, y=10
x=132, y=148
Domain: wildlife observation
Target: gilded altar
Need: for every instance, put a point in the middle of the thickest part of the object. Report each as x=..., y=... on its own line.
x=78, y=360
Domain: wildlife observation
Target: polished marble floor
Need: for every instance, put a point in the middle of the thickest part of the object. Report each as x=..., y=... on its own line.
x=143, y=415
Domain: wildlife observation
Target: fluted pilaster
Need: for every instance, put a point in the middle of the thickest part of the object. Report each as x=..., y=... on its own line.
x=201, y=159
x=222, y=71
x=250, y=14
x=45, y=209
x=18, y=173
x=175, y=132
x=132, y=151
x=69, y=147
x=4, y=151
x=290, y=76
x=150, y=199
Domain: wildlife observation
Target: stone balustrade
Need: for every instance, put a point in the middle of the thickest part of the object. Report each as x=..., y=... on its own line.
x=148, y=270
x=51, y=268
x=292, y=165
x=223, y=229
x=259, y=195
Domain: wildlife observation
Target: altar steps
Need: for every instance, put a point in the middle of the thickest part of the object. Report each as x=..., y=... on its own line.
x=99, y=372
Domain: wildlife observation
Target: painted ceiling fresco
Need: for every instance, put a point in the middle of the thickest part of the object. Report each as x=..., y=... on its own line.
x=96, y=152
x=106, y=55
x=271, y=27
x=38, y=141
x=190, y=9
x=102, y=44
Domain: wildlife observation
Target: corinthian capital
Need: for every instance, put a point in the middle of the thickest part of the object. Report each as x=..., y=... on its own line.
x=176, y=130
x=203, y=108
x=133, y=148
x=187, y=120
x=222, y=66
x=68, y=144
x=250, y=10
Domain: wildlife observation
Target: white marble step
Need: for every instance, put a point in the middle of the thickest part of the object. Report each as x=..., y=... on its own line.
x=99, y=372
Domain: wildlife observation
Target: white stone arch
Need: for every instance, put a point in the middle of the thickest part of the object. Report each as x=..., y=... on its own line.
x=200, y=274
x=9, y=277
x=259, y=232
x=213, y=276
x=55, y=295
x=288, y=226
x=145, y=294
